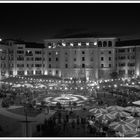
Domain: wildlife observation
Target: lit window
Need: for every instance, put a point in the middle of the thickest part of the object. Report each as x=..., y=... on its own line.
x=87, y=43
x=63, y=44
x=71, y=44
x=95, y=43
x=79, y=44
x=49, y=47
x=56, y=53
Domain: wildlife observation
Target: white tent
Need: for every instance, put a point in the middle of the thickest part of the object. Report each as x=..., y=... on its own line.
x=137, y=102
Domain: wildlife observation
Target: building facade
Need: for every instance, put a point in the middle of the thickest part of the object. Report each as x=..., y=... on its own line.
x=79, y=58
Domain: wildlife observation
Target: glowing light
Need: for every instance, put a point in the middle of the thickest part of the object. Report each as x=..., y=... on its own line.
x=49, y=47
x=133, y=83
x=98, y=87
x=79, y=44
x=87, y=43
x=115, y=85
x=71, y=44
x=0, y=39
x=56, y=53
x=70, y=78
x=95, y=43
x=63, y=44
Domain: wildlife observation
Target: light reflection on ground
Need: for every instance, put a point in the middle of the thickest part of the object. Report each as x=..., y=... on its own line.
x=65, y=99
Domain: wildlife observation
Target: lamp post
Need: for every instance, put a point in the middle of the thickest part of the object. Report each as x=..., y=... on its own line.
x=26, y=119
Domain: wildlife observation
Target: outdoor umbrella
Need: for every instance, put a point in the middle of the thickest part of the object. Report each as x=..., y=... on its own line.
x=133, y=109
x=97, y=110
x=104, y=116
x=131, y=134
x=115, y=108
x=120, y=114
x=135, y=121
x=123, y=126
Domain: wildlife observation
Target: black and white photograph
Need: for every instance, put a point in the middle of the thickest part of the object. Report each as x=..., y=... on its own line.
x=69, y=70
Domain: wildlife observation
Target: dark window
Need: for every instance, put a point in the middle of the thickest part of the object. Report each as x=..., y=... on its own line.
x=56, y=59
x=130, y=72
x=10, y=72
x=109, y=52
x=102, y=65
x=38, y=65
x=3, y=73
x=49, y=53
x=29, y=72
x=3, y=57
x=99, y=44
x=38, y=58
x=20, y=58
x=83, y=65
x=109, y=58
x=104, y=44
x=109, y=43
x=20, y=65
x=122, y=57
x=121, y=64
x=38, y=52
x=102, y=58
x=50, y=66
x=49, y=59
x=74, y=59
x=121, y=50
x=38, y=72
x=66, y=65
x=83, y=52
x=20, y=52
x=20, y=72
x=83, y=58
x=131, y=64
x=121, y=72
x=57, y=72
x=110, y=65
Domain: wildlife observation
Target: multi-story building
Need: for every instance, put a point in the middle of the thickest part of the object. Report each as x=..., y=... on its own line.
x=80, y=58
x=20, y=58
x=128, y=58
x=89, y=58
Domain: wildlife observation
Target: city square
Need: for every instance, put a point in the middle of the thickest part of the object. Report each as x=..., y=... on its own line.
x=101, y=110
x=69, y=70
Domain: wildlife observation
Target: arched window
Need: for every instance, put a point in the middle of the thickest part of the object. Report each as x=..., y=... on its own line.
x=99, y=44
x=49, y=44
x=109, y=43
x=104, y=44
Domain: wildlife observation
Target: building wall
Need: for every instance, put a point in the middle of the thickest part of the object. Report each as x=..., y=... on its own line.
x=79, y=58
x=90, y=58
x=126, y=60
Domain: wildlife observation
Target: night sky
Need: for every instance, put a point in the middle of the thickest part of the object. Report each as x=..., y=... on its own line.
x=36, y=22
